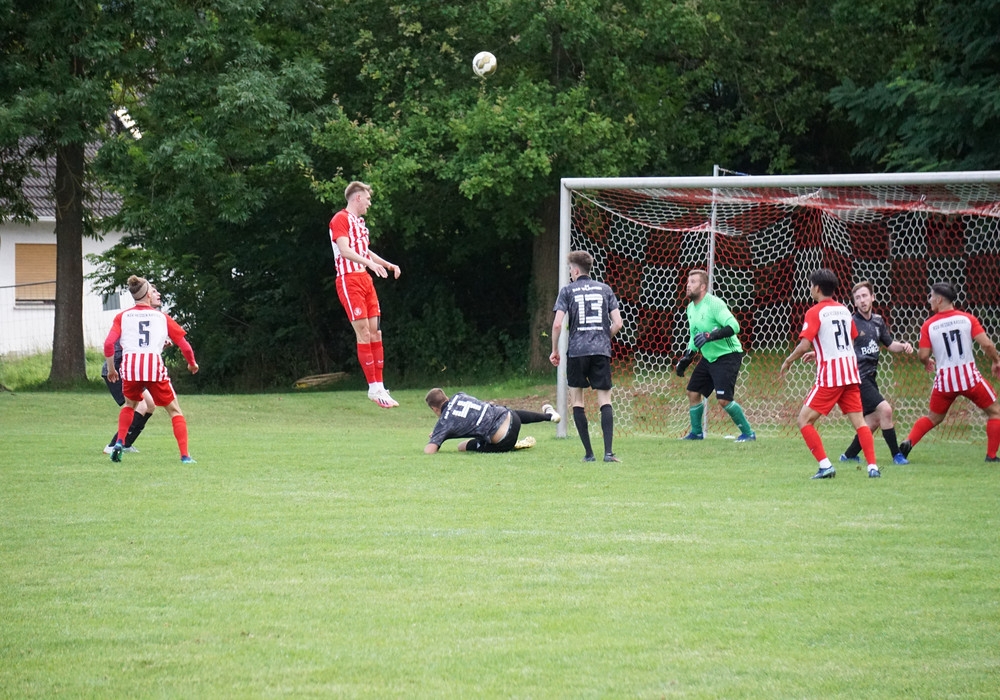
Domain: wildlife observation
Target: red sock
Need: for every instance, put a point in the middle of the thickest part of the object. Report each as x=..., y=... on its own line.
x=367, y=361
x=992, y=437
x=181, y=434
x=379, y=358
x=919, y=429
x=867, y=443
x=815, y=443
x=125, y=417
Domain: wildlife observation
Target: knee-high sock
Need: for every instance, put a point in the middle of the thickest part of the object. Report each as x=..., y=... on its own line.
x=735, y=412
x=608, y=427
x=992, y=437
x=813, y=442
x=696, y=413
x=919, y=429
x=367, y=361
x=138, y=423
x=580, y=418
x=854, y=449
x=890, y=439
x=125, y=417
x=180, y=433
x=867, y=443
x=532, y=416
x=379, y=357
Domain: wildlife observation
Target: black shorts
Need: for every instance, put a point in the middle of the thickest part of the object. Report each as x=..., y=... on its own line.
x=505, y=445
x=719, y=376
x=870, y=395
x=116, y=390
x=592, y=371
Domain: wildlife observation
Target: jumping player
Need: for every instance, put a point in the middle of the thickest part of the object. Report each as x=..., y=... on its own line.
x=829, y=329
x=143, y=331
x=948, y=335
x=353, y=258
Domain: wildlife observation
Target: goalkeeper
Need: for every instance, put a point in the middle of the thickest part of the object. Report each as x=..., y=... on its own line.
x=713, y=333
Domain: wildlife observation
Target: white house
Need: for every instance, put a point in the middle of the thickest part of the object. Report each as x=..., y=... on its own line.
x=28, y=274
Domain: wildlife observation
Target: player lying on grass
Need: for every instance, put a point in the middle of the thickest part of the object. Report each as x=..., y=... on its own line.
x=489, y=427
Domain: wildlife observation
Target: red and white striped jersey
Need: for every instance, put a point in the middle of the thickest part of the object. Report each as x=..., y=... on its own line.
x=344, y=224
x=830, y=328
x=949, y=335
x=143, y=332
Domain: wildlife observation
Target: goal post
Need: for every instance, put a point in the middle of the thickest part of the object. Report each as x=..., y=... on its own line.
x=760, y=237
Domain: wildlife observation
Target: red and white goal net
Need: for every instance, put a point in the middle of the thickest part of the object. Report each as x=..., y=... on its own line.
x=760, y=238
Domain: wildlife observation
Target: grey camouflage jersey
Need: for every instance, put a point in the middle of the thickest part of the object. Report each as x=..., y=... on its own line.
x=588, y=305
x=466, y=416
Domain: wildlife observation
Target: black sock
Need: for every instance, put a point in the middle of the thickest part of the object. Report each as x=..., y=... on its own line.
x=138, y=423
x=855, y=449
x=114, y=439
x=890, y=440
x=607, y=427
x=532, y=416
x=580, y=418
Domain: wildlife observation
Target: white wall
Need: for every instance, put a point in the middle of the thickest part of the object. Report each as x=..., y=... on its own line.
x=25, y=330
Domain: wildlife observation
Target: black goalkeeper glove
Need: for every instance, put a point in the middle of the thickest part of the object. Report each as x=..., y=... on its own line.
x=682, y=364
x=717, y=334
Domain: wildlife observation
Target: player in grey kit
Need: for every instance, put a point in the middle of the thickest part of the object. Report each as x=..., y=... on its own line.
x=873, y=332
x=594, y=319
x=489, y=427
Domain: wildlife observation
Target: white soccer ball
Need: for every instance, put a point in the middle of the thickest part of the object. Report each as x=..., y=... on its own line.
x=484, y=64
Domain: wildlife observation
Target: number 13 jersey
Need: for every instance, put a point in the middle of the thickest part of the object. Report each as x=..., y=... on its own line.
x=830, y=328
x=588, y=305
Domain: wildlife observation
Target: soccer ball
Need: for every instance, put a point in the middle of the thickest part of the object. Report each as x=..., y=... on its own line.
x=484, y=64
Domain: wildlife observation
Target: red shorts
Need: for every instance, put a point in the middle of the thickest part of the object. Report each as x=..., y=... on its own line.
x=357, y=295
x=822, y=399
x=162, y=392
x=982, y=394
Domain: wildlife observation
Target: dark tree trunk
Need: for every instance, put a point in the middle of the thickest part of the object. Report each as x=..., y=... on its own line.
x=544, y=285
x=69, y=364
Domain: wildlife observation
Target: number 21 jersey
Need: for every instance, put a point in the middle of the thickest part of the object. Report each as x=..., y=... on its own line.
x=830, y=328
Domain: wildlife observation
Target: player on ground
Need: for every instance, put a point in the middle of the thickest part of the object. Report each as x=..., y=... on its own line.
x=872, y=331
x=594, y=319
x=353, y=258
x=489, y=427
x=829, y=330
x=143, y=332
x=713, y=330
x=948, y=335
x=145, y=408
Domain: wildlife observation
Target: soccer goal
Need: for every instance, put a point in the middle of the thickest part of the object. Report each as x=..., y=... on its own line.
x=759, y=238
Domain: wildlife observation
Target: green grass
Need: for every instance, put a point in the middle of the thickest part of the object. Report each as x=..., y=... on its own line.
x=314, y=551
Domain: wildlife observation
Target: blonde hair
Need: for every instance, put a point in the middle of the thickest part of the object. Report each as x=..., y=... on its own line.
x=436, y=398
x=355, y=187
x=138, y=287
x=700, y=274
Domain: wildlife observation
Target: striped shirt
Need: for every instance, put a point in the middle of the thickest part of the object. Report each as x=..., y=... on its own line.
x=949, y=335
x=143, y=332
x=830, y=328
x=344, y=224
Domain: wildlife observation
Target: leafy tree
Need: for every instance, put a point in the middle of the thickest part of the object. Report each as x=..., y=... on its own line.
x=937, y=107
x=63, y=63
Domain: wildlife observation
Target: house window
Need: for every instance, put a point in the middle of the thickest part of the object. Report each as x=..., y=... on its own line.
x=112, y=302
x=35, y=273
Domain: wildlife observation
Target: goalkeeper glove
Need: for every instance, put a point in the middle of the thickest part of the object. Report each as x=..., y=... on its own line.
x=717, y=334
x=684, y=363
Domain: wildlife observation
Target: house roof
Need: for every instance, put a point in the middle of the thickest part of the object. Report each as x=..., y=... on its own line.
x=38, y=188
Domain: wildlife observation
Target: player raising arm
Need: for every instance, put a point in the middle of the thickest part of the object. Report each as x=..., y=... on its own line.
x=948, y=335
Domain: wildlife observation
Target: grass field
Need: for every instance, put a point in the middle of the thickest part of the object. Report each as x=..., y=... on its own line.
x=314, y=551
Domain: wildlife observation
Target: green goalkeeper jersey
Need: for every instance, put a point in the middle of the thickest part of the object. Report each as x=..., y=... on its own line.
x=704, y=317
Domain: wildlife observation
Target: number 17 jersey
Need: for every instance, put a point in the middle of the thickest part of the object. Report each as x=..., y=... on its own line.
x=949, y=334
x=830, y=328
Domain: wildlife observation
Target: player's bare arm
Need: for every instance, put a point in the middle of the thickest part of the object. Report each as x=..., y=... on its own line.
x=396, y=271
x=801, y=349
x=988, y=346
x=430, y=448
x=897, y=346
x=616, y=322
x=557, y=325
x=924, y=355
x=377, y=267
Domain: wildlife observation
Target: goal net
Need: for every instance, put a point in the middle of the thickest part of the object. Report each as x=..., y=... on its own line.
x=760, y=237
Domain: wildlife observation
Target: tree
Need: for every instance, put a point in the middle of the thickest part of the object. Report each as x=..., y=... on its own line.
x=61, y=65
x=937, y=107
